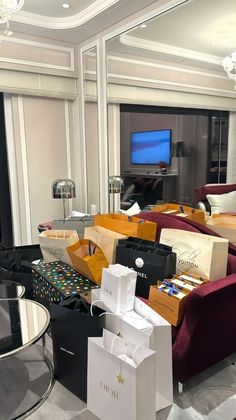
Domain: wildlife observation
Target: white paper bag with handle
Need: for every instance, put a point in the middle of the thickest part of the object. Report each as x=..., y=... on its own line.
x=197, y=253
x=118, y=288
x=145, y=327
x=106, y=240
x=53, y=244
x=121, y=379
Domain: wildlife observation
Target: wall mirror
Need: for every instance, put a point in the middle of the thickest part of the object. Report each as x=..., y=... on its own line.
x=167, y=88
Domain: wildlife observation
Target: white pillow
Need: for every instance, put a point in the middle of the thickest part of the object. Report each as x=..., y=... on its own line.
x=223, y=202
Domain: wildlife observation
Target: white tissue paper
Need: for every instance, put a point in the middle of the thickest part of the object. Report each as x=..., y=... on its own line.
x=134, y=209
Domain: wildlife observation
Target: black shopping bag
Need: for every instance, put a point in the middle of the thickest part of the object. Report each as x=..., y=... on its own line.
x=71, y=325
x=16, y=264
x=152, y=261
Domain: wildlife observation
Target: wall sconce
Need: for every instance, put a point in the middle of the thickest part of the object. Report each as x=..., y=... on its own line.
x=116, y=186
x=64, y=189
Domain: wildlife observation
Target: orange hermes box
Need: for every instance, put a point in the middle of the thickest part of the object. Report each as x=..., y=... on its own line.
x=169, y=305
x=127, y=225
x=182, y=211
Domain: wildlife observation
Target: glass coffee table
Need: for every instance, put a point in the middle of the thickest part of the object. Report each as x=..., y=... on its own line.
x=23, y=323
x=11, y=289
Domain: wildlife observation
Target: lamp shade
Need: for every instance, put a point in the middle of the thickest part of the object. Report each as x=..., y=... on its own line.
x=63, y=188
x=116, y=184
x=179, y=149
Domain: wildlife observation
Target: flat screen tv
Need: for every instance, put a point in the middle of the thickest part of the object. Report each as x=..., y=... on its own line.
x=151, y=147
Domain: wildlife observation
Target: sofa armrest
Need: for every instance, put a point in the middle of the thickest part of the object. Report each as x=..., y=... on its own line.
x=206, y=334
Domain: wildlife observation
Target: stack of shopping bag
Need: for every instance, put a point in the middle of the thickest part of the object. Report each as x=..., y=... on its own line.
x=98, y=247
x=130, y=367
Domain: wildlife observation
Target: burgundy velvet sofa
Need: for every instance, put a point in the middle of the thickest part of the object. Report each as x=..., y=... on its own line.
x=207, y=332
x=201, y=193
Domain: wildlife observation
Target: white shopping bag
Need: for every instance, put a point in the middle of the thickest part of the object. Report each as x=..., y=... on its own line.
x=106, y=240
x=121, y=379
x=53, y=244
x=197, y=253
x=118, y=288
x=145, y=327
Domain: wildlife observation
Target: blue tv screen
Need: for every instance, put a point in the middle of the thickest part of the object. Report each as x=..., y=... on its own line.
x=151, y=147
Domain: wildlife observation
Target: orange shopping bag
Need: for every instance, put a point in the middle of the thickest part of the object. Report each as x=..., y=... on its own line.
x=88, y=259
x=127, y=225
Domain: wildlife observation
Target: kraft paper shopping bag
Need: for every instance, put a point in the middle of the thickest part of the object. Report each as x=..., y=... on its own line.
x=198, y=254
x=106, y=239
x=53, y=244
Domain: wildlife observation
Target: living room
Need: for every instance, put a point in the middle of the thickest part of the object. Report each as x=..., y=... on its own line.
x=66, y=116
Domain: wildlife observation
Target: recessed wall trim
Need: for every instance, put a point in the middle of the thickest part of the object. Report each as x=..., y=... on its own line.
x=68, y=54
x=25, y=171
x=15, y=208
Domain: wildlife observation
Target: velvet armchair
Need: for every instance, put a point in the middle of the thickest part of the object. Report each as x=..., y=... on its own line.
x=206, y=334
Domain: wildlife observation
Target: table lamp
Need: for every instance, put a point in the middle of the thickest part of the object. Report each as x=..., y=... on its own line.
x=63, y=188
x=116, y=185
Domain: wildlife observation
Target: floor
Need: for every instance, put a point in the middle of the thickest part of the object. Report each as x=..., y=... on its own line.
x=210, y=395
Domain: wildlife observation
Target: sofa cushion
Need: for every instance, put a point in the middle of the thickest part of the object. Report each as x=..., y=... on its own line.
x=202, y=192
x=222, y=202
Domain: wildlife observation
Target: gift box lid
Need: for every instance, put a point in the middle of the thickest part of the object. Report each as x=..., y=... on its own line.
x=63, y=277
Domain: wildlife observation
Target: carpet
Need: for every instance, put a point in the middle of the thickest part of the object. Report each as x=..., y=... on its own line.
x=211, y=395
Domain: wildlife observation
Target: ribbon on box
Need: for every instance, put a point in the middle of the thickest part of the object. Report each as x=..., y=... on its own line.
x=173, y=290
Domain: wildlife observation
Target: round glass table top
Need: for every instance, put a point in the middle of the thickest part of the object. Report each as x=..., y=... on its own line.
x=11, y=289
x=23, y=322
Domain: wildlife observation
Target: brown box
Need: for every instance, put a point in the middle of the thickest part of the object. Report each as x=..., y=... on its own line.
x=187, y=212
x=169, y=307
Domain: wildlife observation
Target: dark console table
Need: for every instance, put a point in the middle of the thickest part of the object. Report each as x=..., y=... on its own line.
x=170, y=187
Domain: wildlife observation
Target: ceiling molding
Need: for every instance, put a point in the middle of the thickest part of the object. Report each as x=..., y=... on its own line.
x=185, y=87
x=69, y=22
x=173, y=67
x=159, y=47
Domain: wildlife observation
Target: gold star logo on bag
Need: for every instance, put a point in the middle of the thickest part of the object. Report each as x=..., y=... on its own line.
x=120, y=379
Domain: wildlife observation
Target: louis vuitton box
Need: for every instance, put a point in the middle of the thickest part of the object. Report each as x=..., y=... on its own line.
x=168, y=301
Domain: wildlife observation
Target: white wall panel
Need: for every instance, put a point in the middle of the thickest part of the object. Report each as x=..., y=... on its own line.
x=39, y=149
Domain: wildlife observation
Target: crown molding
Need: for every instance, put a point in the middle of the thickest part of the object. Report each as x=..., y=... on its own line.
x=173, y=67
x=162, y=84
x=69, y=22
x=159, y=47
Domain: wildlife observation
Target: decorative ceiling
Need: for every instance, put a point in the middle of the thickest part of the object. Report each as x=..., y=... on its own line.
x=199, y=32
x=77, y=23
